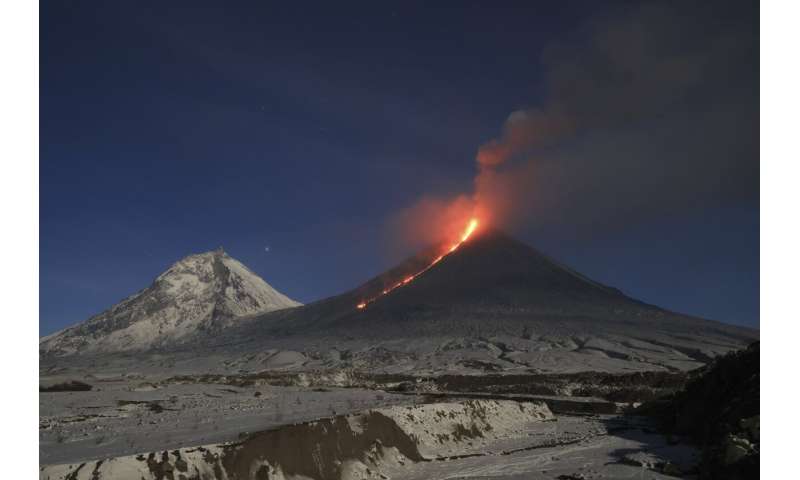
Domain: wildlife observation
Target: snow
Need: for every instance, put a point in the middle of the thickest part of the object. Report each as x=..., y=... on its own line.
x=450, y=429
x=199, y=293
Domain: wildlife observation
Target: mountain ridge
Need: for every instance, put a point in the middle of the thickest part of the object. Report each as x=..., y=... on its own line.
x=494, y=304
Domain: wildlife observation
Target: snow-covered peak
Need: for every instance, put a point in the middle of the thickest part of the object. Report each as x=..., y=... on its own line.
x=199, y=294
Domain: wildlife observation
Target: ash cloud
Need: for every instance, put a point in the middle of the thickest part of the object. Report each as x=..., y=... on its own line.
x=650, y=111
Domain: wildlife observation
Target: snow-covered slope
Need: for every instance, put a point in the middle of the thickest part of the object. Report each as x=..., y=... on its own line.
x=200, y=294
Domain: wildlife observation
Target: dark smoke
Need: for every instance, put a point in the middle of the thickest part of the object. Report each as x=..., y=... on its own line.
x=653, y=110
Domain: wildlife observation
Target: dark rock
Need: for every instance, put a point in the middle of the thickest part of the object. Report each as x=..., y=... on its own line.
x=719, y=410
x=70, y=386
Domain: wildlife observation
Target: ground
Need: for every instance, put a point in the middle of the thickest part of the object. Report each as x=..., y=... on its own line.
x=135, y=425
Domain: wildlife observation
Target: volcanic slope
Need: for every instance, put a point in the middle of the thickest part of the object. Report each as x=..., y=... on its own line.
x=199, y=295
x=494, y=304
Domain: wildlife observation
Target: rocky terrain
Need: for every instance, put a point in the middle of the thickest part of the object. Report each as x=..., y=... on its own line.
x=467, y=439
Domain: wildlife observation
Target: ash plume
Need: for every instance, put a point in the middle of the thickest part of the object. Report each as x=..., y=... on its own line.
x=649, y=111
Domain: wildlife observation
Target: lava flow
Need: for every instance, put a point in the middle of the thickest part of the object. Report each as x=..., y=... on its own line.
x=471, y=226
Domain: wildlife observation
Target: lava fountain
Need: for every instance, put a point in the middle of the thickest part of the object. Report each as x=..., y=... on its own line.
x=468, y=231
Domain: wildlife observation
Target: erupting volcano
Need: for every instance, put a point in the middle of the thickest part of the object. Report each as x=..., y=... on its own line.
x=468, y=231
x=487, y=297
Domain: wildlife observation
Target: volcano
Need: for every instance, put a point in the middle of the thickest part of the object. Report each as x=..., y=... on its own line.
x=505, y=305
x=200, y=294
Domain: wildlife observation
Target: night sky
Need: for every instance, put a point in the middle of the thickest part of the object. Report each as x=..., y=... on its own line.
x=169, y=129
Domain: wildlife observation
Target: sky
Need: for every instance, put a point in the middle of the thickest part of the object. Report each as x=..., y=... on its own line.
x=618, y=137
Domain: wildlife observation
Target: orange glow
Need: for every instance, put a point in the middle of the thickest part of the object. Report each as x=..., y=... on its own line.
x=468, y=231
x=473, y=224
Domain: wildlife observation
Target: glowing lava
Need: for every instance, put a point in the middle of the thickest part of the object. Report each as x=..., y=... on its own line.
x=471, y=226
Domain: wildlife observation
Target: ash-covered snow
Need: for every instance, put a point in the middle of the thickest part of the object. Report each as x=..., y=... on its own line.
x=474, y=439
